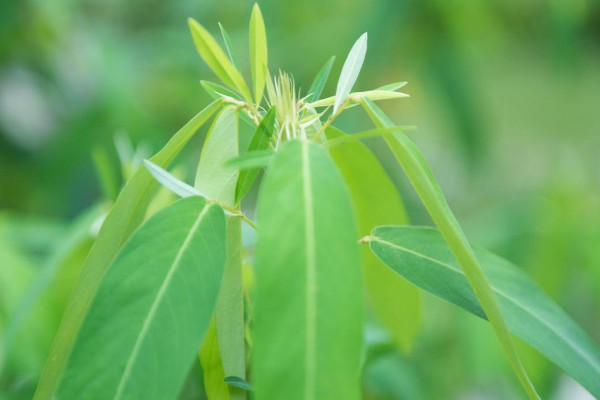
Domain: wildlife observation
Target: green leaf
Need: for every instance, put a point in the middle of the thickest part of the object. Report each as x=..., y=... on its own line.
x=342, y=139
x=229, y=47
x=176, y=186
x=350, y=70
x=318, y=84
x=420, y=255
x=238, y=382
x=252, y=160
x=418, y=171
x=217, y=91
x=160, y=293
x=258, y=52
x=126, y=215
x=396, y=303
x=212, y=366
x=393, y=86
x=260, y=142
x=377, y=94
x=215, y=58
x=308, y=293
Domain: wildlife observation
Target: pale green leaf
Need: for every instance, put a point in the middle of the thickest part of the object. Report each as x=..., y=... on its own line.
x=371, y=133
x=420, y=255
x=217, y=91
x=252, y=160
x=125, y=216
x=215, y=58
x=395, y=302
x=350, y=70
x=392, y=86
x=356, y=97
x=176, y=186
x=260, y=142
x=308, y=289
x=229, y=47
x=420, y=175
x=315, y=90
x=160, y=292
x=258, y=52
x=212, y=366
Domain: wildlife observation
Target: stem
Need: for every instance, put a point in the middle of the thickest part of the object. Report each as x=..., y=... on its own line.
x=331, y=118
x=237, y=213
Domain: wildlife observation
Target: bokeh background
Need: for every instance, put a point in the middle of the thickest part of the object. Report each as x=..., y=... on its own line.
x=505, y=93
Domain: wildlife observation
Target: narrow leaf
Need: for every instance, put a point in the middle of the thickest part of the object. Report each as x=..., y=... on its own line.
x=260, y=142
x=160, y=292
x=395, y=302
x=418, y=171
x=217, y=91
x=258, y=52
x=125, y=216
x=253, y=160
x=377, y=94
x=350, y=70
x=393, y=86
x=216, y=59
x=176, y=186
x=337, y=140
x=229, y=47
x=308, y=314
x=315, y=90
x=420, y=255
x=238, y=382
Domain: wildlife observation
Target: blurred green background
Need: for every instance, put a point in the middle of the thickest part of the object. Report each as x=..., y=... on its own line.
x=506, y=95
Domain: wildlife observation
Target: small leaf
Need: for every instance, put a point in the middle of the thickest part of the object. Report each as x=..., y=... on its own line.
x=217, y=91
x=260, y=141
x=238, y=382
x=216, y=59
x=308, y=294
x=356, y=97
x=258, y=52
x=350, y=71
x=160, y=292
x=229, y=47
x=421, y=256
x=392, y=86
x=314, y=92
x=176, y=186
x=252, y=160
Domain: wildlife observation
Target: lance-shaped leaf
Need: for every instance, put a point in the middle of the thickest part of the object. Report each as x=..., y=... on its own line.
x=258, y=52
x=260, y=142
x=217, y=91
x=420, y=255
x=229, y=47
x=420, y=175
x=308, y=293
x=152, y=308
x=315, y=90
x=215, y=58
x=376, y=201
x=125, y=216
x=377, y=94
x=350, y=70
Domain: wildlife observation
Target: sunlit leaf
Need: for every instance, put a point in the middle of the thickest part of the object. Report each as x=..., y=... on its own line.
x=421, y=255
x=314, y=92
x=377, y=94
x=215, y=58
x=178, y=187
x=350, y=70
x=396, y=303
x=258, y=52
x=217, y=91
x=420, y=175
x=125, y=216
x=229, y=47
x=308, y=296
x=160, y=293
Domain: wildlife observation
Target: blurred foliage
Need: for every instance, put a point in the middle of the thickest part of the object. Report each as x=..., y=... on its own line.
x=505, y=94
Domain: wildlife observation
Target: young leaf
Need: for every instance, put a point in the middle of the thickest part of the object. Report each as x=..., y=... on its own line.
x=314, y=92
x=252, y=160
x=229, y=47
x=308, y=293
x=350, y=70
x=125, y=216
x=420, y=255
x=260, y=142
x=160, y=292
x=392, y=86
x=258, y=52
x=395, y=302
x=377, y=94
x=214, y=57
x=176, y=186
x=238, y=382
x=426, y=186
x=217, y=91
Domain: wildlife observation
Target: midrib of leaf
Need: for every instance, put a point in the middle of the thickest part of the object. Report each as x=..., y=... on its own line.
x=499, y=292
x=159, y=296
x=310, y=277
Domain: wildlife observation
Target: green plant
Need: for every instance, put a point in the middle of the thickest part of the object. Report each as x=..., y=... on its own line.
x=156, y=288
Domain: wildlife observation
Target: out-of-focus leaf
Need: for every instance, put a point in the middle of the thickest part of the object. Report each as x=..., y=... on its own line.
x=258, y=52
x=421, y=255
x=308, y=315
x=395, y=302
x=229, y=47
x=238, y=382
x=342, y=139
x=107, y=174
x=392, y=86
x=420, y=175
x=252, y=160
x=315, y=90
x=212, y=366
x=216, y=59
x=260, y=142
x=125, y=216
x=159, y=293
x=350, y=70
x=217, y=91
